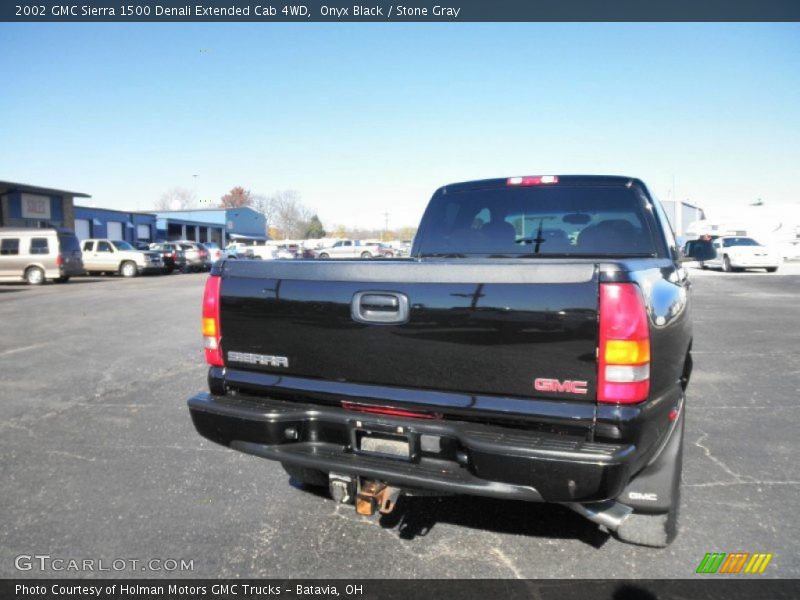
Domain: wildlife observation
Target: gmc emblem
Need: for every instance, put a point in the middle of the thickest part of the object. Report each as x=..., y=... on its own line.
x=564, y=387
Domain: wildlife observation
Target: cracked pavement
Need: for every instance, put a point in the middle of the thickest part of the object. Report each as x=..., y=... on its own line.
x=100, y=459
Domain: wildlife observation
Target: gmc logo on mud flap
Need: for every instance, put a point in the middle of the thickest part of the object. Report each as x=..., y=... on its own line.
x=564, y=387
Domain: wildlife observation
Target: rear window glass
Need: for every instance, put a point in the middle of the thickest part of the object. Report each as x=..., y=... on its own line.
x=538, y=221
x=69, y=243
x=39, y=246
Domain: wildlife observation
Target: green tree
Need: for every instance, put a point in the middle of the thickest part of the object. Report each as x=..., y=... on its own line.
x=315, y=230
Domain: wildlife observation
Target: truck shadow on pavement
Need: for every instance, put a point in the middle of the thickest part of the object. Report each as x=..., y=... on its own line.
x=415, y=516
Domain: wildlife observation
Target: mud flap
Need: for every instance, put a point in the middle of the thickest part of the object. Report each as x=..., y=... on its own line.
x=655, y=489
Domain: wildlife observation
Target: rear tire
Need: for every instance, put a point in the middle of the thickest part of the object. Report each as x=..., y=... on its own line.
x=63, y=279
x=366, y=255
x=771, y=269
x=128, y=269
x=726, y=265
x=324, y=256
x=306, y=476
x=34, y=276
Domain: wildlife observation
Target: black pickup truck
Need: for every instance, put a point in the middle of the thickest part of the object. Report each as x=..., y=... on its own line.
x=535, y=345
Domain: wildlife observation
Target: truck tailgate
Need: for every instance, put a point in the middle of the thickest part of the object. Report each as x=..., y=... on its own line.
x=484, y=327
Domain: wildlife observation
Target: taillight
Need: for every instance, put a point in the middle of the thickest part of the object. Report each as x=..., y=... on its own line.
x=624, y=354
x=211, y=331
x=533, y=180
x=59, y=260
x=388, y=411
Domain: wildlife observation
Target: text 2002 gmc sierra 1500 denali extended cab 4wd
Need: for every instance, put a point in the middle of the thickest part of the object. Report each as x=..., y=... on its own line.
x=534, y=346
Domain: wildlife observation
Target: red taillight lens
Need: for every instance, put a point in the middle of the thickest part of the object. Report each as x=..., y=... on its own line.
x=533, y=180
x=623, y=360
x=211, y=331
x=59, y=260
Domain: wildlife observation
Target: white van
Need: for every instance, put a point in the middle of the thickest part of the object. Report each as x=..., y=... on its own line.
x=36, y=255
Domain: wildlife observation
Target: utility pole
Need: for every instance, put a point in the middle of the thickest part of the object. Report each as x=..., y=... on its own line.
x=674, y=193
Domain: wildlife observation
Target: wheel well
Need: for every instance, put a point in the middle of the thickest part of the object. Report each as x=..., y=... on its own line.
x=35, y=266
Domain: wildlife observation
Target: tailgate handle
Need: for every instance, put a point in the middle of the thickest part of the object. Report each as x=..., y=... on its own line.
x=379, y=307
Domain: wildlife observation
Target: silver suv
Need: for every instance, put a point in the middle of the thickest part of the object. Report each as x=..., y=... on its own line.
x=117, y=256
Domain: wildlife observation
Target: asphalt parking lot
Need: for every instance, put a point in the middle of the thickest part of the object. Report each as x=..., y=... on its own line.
x=100, y=459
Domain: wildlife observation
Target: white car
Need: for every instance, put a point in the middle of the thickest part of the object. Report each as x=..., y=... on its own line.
x=283, y=252
x=253, y=249
x=734, y=253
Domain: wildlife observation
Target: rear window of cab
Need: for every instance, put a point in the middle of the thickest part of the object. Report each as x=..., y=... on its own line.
x=539, y=221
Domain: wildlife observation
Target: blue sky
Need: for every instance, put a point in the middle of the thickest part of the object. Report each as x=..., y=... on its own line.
x=363, y=119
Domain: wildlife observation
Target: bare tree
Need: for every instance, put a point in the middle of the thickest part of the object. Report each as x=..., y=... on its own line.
x=263, y=204
x=177, y=198
x=286, y=214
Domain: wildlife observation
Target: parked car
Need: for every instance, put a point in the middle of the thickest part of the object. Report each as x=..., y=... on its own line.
x=286, y=252
x=403, y=248
x=197, y=258
x=214, y=251
x=736, y=253
x=38, y=255
x=144, y=246
x=386, y=251
x=791, y=250
x=511, y=359
x=172, y=255
x=234, y=252
x=348, y=249
x=399, y=248
x=700, y=250
x=253, y=248
x=118, y=256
